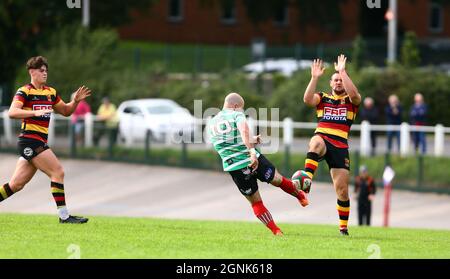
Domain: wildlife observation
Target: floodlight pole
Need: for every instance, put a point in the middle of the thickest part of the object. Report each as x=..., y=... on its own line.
x=86, y=15
x=392, y=32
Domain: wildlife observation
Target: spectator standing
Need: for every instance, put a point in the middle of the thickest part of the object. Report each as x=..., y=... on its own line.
x=418, y=117
x=108, y=121
x=394, y=117
x=370, y=113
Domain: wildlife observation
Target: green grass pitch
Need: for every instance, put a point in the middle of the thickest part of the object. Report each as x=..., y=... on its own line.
x=41, y=236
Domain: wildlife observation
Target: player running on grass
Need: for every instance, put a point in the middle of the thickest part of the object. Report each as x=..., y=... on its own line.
x=336, y=112
x=34, y=103
x=231, y=138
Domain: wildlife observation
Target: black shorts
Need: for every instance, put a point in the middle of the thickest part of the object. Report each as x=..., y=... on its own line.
x=30, y=148
x=337, y=158
x=246, y=181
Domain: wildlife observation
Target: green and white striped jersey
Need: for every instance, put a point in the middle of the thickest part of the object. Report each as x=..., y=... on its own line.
x=227, y=140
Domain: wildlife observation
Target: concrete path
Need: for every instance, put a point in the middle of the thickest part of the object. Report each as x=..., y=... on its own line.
x=116, y=189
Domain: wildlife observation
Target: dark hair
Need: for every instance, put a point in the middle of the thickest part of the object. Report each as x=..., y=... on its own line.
x=336, y=72
x=37, y=62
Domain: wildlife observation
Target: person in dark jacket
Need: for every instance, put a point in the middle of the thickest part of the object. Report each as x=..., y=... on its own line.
x=418, y=117
x=394, y=117
x=370, y=113
x=365, y=190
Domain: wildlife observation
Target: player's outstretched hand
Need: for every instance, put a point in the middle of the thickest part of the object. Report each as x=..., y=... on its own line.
x=340, y=65
x=317, y=68
x=82, y=93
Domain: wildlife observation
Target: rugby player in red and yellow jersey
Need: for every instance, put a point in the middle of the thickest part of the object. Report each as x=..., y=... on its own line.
x=336, y=112
x=34, y=103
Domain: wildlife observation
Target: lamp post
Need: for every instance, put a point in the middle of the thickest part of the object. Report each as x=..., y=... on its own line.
x=86, y=13
x=391, y=17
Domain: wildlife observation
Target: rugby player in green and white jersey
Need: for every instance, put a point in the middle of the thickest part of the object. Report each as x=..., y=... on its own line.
x=230, y=135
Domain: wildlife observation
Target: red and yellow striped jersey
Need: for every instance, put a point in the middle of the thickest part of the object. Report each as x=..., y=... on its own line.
x=336, y=115
x=36, y=99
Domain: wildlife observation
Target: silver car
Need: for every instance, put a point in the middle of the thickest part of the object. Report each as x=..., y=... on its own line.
x=161, y=118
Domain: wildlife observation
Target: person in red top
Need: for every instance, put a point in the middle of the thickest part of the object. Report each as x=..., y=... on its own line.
x=77, y=119
x=336, y=112
x=34, y=104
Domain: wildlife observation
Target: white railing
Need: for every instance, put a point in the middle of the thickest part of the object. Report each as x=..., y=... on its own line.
x=365, y=128
x=88, y=128
x=287, y=126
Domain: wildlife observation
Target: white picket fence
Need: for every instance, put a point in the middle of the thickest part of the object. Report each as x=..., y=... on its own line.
x=365, y=129
x=287, y=126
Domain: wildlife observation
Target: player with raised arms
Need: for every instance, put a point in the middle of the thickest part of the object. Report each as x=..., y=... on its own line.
x=336, y=112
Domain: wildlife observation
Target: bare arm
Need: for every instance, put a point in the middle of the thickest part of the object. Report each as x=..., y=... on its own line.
x=310, y=98
x=67, y=109
x=348, y=84
x=16, y=111
x=245, y=134
x=244, y=130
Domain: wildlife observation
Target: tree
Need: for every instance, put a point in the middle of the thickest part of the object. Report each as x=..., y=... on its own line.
x=358, y=52
x=410, y=54
x=27, y=24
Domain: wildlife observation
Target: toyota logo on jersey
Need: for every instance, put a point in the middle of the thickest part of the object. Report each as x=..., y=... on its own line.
x=43, y=107
x=335, y=113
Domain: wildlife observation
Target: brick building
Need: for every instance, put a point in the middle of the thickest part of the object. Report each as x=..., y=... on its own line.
x=191, y=21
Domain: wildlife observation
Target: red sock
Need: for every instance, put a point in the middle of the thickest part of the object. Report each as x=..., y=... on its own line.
x=288, y=186
x=264, y=216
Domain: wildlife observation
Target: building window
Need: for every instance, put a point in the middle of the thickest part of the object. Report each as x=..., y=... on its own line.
x=175, y=10
x=281, y=13
x=436, y=17
x=228, y=13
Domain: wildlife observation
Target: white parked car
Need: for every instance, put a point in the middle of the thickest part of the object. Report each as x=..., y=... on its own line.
x=285, y=66
x=161, y=117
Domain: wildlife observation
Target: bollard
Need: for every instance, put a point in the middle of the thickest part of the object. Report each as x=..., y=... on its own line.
x=404, y=139
x=439, y=140
x=7, y=126
x=51, y=131
x=365, y=139
x=88, y=130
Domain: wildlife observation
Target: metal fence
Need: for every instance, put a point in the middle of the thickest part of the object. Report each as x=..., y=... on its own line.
x=215, y=58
